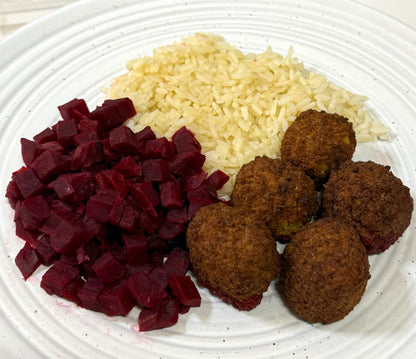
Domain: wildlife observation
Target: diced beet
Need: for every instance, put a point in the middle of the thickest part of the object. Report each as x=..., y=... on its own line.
x=73, y=187
x=46, y=254
x=156, y=244
x=160, y=276
x=170, y=194
x=66, y=131
x=89, y=293
x=185, y=141
x=171, y=230
x=73, y=109
x=30, y=150
x=124, y=106
x=27, y=235
x=177, y=215
x=13, y=194
x=71, y=290
x=184, y=289
x=123, y=140
x=177, y=262
x=46, y=135
x=145, y=290
x=159, y=148
x=87, y=125
x=107, y=116
x=135, y=245
x=85, y=136
x=128, y=167
x=57, y=277
x=179, y=162
x=196, y=161
x=111, y=180
x=108, y=269
x=87, y=154
x=124, y=216
x=33, y=212
x=68, y=236
x=116, y=300
x=146, y=197
x=145, y=135
x=218, y=179
x=200, y=197
x=63, y=210
x=194, y=181
x=52, y=146
x=81, y=255
x=48, y=165
x=109, y=154
x=28, y=182
x=27, y=261
x=156, y=170
x=151, y=224
x=164, y=315
x=99, y=206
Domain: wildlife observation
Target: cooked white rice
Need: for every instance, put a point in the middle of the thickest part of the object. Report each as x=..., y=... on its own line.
x=237, y=105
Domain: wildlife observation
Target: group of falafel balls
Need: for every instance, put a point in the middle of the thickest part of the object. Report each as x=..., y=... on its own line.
x=329, y=211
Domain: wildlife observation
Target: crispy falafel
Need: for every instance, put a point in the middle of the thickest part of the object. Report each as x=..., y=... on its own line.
x=278, y=193
x=325, y=270
x=318, y=142
x=232, y=254
x=370, y=197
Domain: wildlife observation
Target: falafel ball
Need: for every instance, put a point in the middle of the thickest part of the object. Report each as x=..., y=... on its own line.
x=325, y=270
x=370, y=197
x=318, y=142
x=232, y=254
x=278, y=193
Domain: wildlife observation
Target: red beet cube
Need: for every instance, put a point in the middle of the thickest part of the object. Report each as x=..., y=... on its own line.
x=159, y=148
x=170, y=194
x=108, y=269
x=145, y=290
x=106, y=116
x=123, y=140
x=160, y=276
x=156, y=170
x=48, y=165
x=111, y=180
x=179, y=162
x=184, y=289
x=150, y=224
x=75, y=108
x=124, y=106
x=116, y=300
x=123, y=215
x=71, y=290
x=218, y=179
x=87, y=154
x=170, y=230
x=89, y=292
x=146, y=197
x=13, y=194
x=27, y=261
x=145, y=135
x=57, y=277
x=73, y=187
x=177, y=215
x=66, y=131
x=44, y=250
x=185, y=141
x=33, y=212
x=27, y=235
x=85, y=136
x=194, y=181
x=46, y=135
x=99, y=206
x=128, y=167
x=177, y=262
x=135, y=245
x=28, y=182
x=68, y=236
x=30, y=150
x=164, y=315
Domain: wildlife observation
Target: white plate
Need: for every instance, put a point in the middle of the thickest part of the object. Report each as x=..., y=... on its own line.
x=76, y=51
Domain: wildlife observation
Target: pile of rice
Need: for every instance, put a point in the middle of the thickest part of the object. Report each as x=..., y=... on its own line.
x=237, y=105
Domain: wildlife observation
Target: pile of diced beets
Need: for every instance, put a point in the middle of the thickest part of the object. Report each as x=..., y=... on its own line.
x=107, y=209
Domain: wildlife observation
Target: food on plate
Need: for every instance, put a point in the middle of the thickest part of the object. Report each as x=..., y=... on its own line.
x=238, y=105
x=370, y=197
x=232, y=254
x=318, y=142
x=106, y=209
x=325, y=270
x=278, y=193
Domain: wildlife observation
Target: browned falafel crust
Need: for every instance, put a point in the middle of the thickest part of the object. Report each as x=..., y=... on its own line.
x=372, y=199
x=325, y=270
x=232, y=254
x=278, y=193
x=318, y=142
